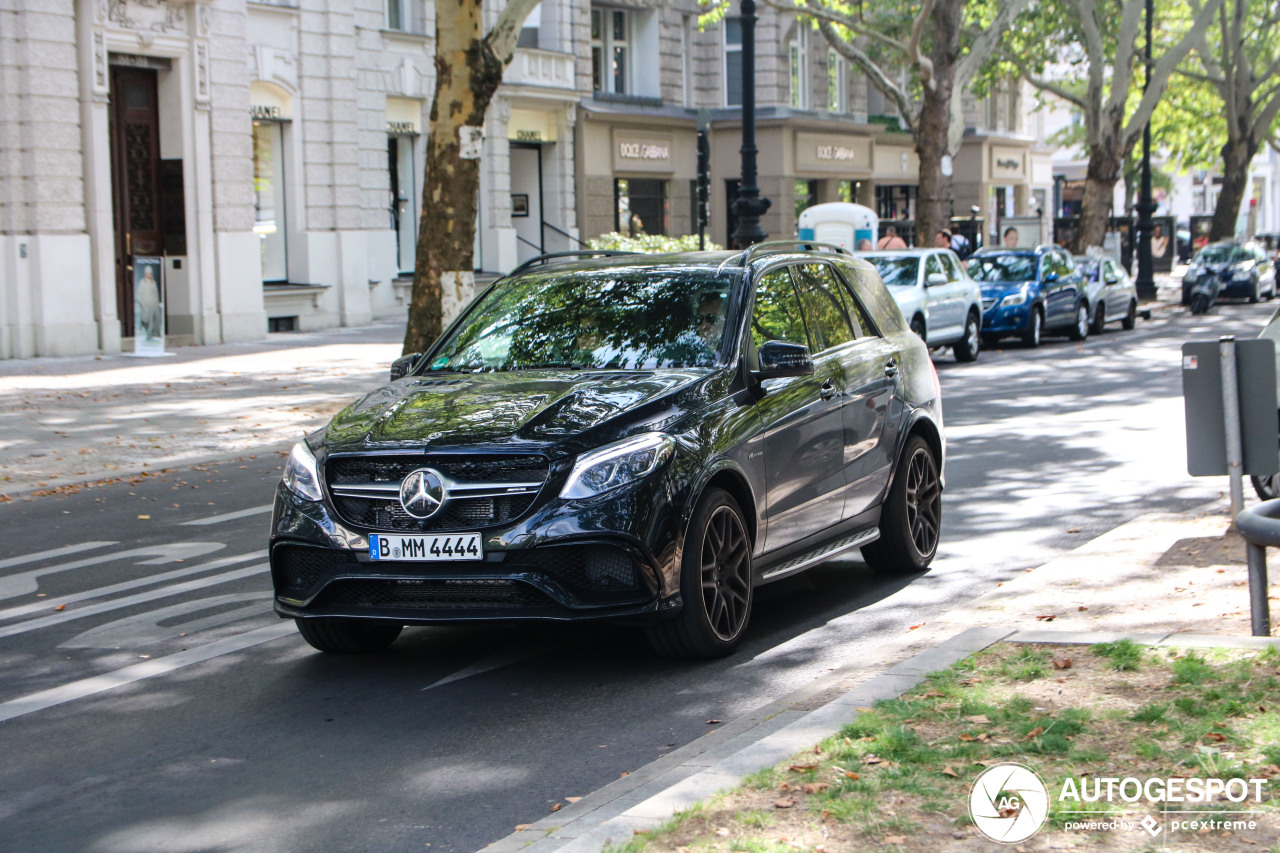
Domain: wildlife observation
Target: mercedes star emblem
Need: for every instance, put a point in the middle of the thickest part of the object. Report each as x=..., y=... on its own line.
x=422, y=493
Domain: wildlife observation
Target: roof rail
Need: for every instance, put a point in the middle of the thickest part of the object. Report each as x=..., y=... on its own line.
x=773, y=247
x=575, y=253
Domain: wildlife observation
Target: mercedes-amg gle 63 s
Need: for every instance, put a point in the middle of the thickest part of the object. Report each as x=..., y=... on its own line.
x=628, y=437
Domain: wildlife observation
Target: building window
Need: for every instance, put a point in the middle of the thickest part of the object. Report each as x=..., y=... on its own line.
x=799, y=68
x=896, y=202
x=405, y=15
x=732, y=62
x=268, y=198
x=836, y=77
x=686, y=60
x=610, y=50
x=529, y=31
x=404, y=220
x=641, y=206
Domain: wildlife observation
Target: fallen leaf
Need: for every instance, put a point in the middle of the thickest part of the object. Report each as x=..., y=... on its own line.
x=1061, y=663
x=722, y=831
x=1048, y=617
x=713, y=722
x=1073, y=530
x=966, y=737
x=895, y=839
x=1034, y=733
x=873, y=759
x=1216, y=737
x=60, y=607
x=932, y=694
x=979, y=718
x=572, y=799
x=815, y=787
x=624, y=773
x=144, y=517
x=849, y=774
x=521, y=827
x=1082, y=608
x=950, y=771
x=784, y=803
x=913, y=627
x=801, y=768
x=557, y=807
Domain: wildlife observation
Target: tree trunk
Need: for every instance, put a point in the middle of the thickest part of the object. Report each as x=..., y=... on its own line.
x=467, y=75
x=1099, y=192
x=933, y=196
x=1236, y=156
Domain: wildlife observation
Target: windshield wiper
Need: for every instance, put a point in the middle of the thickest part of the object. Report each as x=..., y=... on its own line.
x=548, y=365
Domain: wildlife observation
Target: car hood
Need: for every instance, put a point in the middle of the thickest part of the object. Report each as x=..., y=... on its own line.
x=999, y=288
x=540, y=407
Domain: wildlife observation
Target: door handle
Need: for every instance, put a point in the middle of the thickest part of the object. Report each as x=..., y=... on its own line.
x=890, y=368
x=827, y=391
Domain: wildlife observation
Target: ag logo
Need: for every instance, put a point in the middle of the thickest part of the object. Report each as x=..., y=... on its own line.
x=1008, y=803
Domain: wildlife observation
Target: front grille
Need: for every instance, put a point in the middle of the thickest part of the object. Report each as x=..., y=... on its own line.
x=458, y=513
x=297, y=571
x=393, y=593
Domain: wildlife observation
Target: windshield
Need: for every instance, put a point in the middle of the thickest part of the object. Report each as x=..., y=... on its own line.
x=1088, y=268
x=1002, y=266
x=1221, y=255
x=619, y=319
x=901, y=271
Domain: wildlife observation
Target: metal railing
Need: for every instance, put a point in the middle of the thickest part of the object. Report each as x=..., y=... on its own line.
x=1260, y=527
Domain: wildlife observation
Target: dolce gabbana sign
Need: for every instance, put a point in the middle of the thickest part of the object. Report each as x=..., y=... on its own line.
x=634, y=152
x=836, y=154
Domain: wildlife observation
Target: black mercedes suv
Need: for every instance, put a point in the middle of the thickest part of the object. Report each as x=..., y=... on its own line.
x=620, y=436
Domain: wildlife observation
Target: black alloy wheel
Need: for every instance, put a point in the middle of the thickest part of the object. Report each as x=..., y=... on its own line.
x=917, y=326
x=1131, y=319
x=348, y=636
x=1099, y=319
x=1268, y=488
x=1080, y=330
x=1035, y=325
x=968, y=347
x=715, y=584
x=911, y=519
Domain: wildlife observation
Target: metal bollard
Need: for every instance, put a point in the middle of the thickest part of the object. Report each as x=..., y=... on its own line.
x=1260, y=527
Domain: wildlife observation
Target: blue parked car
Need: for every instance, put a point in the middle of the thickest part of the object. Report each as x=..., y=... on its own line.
x=1029, y=293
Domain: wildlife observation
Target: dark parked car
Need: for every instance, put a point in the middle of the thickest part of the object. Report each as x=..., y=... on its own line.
x=1030, y=292
x=632, y=437
x=1244, y=271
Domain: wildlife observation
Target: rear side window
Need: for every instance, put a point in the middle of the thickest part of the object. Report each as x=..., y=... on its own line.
x=827, y=307
x=776, y=315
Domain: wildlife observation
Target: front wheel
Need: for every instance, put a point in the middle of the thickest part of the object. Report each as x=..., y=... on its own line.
x=1268, y=488
x=1035, y=325
x=1199, y=304
x=1131, y=319
x=348, y=636
x=715, y=583
x=911, y=517
x=968, y=347
x=1080, y=330
x=1253, y=293
x=917, y=326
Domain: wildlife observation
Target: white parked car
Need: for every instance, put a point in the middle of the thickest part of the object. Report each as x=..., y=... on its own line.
x=941, y=302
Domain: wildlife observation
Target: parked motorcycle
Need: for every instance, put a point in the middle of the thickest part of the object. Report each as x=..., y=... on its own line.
x=1204, y=293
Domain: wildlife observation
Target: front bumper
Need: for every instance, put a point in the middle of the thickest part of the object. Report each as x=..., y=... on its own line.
x=1001, y=319
x=603, y=558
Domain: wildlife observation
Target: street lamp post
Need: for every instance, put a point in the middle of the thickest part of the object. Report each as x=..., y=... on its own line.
x=1145, y=281
x=749, y=206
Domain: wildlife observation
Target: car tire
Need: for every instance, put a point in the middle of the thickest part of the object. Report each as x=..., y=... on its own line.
x=715, y=584
x=1268, y=488
x=1131, y=319
x=917, y=327
x=1080, y=328
x=1099, y=319
x=1035, y=327
x=348, y=636
x=911, y=517
x=1253, y=293
x=968, y=347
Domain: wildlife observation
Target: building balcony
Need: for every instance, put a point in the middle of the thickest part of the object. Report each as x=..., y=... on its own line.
x=544, y=69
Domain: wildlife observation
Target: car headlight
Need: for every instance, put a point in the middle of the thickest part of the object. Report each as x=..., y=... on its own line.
x=1014, y=299
x=300, y=476
x=617, y=464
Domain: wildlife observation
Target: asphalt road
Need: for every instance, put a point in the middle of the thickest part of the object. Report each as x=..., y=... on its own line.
x=150, y=701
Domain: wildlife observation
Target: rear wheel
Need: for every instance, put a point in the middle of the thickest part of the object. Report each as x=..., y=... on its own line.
x=1199, y=304
x=1131, y=319
x=348, y=636
x=917, y=326
x=715, y=583
x=1080, y=330
x=911, y=518
x=1035, y=325
x=968, y=347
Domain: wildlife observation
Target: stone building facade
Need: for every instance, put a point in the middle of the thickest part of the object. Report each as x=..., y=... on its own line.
x=263, y=158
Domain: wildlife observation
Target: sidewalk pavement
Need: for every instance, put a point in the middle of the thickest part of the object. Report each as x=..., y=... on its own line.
x=65, y=422
x=1162, y=579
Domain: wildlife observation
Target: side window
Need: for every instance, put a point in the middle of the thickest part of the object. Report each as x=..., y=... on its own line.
x=1066, y=268
x=826, y=306
x=931, y=265
x=776, y=315
x=951, y=267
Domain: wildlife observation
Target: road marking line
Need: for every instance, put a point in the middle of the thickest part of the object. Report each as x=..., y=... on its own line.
x=27, y=582
x=56, y=552
x=44, y=605
x=230, y=516
x=109, y=681
x=506, y=657
x=128, y=601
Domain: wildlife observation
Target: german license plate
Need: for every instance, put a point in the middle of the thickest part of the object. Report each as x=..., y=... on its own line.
x=455, y=546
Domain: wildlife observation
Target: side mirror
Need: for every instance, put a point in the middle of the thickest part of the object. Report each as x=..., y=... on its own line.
x=1050, y=277
x=404, y=365
x=781, y=358
x=934, y=278
x=1111, y=279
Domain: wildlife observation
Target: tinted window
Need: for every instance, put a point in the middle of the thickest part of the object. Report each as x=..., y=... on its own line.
x=776, y=315
x=931, y=265
x=620, y=319
x=897, y=271
x=826, y=306
x=951, y=266
x=1003, y=266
